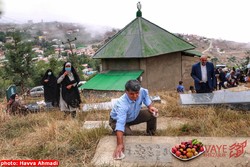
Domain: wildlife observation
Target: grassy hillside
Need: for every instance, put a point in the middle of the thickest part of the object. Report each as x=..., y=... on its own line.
x=47, y=135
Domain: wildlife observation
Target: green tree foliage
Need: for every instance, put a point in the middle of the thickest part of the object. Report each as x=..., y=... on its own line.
x=92, y=63
x=42, y=66
x=245, y=61
x=19, y=67
x=39, y=33
x=247, y=52
x=215, y=60
x=4, y=83
x=2, y=36
x=231, y=61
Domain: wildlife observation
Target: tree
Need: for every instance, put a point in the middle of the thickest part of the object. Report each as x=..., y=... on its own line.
x=232, y=60
x=215, y=60
x=247, y=52
x=2, y=36
x=19, y=67
x=41, y=67
x=245, y=61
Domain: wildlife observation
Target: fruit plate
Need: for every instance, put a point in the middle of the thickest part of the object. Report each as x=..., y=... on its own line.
x=195, y=156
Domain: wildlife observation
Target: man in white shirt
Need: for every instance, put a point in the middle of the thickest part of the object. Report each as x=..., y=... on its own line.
x=203, y=75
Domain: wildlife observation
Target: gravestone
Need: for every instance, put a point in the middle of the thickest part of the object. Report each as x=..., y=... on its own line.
x=162, y=123
x=223, y=97
x=96, y=124
x=97, y=106
x=147, y=153
x=10, y=91
x=109, y=105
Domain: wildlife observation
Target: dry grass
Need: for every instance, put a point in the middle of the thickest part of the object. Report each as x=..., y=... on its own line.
x=47, y=135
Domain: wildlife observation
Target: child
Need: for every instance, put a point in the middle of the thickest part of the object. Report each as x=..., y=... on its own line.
x=180, y=87
x=191, y=89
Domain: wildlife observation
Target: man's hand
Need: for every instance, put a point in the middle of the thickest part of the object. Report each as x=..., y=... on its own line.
x=152, y=109
x=118, y=151
x=119, y=146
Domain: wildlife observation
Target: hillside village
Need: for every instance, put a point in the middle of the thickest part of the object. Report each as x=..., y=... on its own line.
x=53, y=34
x=60, y=38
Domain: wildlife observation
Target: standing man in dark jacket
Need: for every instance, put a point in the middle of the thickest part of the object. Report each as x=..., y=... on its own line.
x=203, y=75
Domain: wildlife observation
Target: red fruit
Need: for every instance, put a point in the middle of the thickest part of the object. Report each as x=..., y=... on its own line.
x=184, y=142
x=201, y=149
x=184, y=152
x=177, y=146
x=183, y=146
x=177, y=153
x=174, y=150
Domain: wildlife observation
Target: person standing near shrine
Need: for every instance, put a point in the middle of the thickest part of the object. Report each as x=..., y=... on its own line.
x=203, y=75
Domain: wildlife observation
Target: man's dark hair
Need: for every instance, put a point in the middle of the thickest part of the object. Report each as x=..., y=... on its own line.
x=180, y=82
x=133, y=85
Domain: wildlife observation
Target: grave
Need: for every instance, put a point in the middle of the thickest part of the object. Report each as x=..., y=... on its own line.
x=220, y=97
x=155, y=151
x=147, y=153
x=109, y=105
x=39, y=106
x=96, y=124
x=162, y=123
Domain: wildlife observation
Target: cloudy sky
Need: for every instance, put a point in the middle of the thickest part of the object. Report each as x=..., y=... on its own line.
x=221, y=19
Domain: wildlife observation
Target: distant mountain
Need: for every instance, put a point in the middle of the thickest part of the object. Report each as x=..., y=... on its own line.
x=224, y=52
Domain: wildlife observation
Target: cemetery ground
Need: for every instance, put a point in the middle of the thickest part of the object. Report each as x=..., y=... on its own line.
x=48, y=135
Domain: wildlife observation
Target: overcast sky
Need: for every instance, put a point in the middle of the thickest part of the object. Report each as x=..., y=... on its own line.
x=221, y=19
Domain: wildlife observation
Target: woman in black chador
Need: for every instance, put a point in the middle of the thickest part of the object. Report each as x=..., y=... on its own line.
x=49, y=82
x=69, y=94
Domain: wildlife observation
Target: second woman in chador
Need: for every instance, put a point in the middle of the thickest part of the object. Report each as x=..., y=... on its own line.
x=69, y=94
x=49, y=82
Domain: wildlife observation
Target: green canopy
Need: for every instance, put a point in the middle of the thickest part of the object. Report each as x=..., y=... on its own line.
x=112, y=80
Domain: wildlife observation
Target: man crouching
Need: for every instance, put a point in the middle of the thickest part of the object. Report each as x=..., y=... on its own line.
x=127, y=111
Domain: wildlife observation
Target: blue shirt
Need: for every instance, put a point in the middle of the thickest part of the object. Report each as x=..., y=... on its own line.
x=126, y=110
x=180, y=88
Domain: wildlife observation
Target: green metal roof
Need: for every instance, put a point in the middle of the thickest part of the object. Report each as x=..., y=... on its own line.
x=142, y=39
x=193, y=52
x=112, y=80
x=81, y=46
